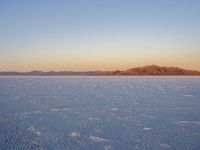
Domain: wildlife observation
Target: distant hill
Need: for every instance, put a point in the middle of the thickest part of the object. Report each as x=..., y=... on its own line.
x=157, y=70
x=149, y=70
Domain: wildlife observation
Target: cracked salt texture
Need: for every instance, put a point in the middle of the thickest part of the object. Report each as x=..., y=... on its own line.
x=101, y=113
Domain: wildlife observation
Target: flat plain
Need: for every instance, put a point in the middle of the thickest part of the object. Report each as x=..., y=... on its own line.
x=119, y=113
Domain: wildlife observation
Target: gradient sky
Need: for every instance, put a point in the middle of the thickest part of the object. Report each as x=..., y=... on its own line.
x=98, y=34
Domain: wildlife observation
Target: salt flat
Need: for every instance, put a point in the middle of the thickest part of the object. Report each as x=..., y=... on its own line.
x=118, y=113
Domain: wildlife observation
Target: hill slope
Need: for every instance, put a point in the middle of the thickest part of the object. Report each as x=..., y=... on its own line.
x=157, y=70
x=149, y=70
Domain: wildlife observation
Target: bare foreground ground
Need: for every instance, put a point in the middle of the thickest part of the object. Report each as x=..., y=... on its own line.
x=119, y=113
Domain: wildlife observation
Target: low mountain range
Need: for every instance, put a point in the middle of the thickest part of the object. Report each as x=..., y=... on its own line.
x=148, y=70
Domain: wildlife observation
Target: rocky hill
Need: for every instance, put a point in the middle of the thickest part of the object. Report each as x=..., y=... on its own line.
x=157, y=70
x=149, y=70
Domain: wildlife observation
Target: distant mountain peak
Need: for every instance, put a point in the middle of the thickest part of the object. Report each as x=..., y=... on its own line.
x=151, y=65
x=147, y=70
x=159, y=70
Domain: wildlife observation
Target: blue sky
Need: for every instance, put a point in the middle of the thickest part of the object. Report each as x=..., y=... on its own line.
x=98, y=35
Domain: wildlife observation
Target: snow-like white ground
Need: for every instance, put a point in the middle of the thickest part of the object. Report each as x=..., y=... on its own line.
x=91, y=113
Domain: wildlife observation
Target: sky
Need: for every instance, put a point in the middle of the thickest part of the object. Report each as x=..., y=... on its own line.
x=83, y=35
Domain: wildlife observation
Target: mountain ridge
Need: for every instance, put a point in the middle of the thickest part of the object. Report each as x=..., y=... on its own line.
x=147, y=70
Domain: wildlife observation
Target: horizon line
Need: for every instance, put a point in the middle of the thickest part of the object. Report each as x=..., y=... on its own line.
x=142, y=66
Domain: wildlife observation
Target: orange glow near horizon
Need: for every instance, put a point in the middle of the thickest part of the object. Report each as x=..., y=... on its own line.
x=87, y=66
